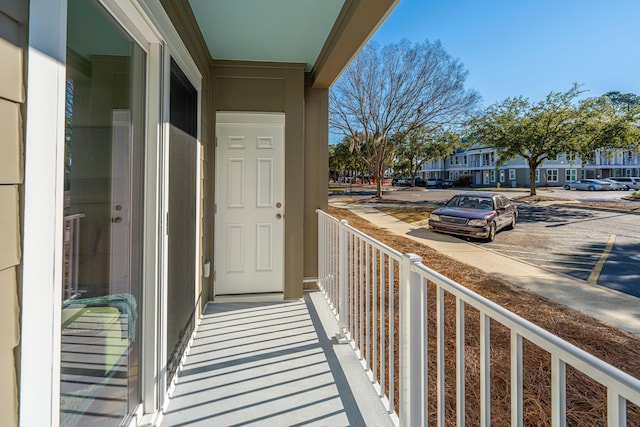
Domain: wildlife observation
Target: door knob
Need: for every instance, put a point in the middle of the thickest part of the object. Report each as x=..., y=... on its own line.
x=278, y=216
x=117, y=220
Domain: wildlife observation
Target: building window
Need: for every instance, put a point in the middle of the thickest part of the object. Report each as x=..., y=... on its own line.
x=570, y=175
x=537, y=175
x=502, y=176
x=628, y=172
x=512, y=174
x=493, y=176
x=552, y=175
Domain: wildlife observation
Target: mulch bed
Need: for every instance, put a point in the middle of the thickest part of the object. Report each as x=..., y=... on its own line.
x=586, y=400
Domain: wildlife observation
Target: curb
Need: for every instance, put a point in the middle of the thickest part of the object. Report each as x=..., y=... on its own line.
x=596, y=208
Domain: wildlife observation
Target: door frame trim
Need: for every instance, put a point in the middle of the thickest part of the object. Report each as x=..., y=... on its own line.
x=250, y=118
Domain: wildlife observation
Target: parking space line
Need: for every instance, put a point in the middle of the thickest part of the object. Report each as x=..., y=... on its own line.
x=586, y=254
x=564, y=267
x=595, y=273
x=559, y=262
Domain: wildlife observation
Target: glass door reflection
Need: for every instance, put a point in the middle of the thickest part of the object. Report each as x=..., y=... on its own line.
x=100, y=335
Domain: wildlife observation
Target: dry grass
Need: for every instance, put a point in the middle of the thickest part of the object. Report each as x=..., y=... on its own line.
x=408, y=213
x=586, y=400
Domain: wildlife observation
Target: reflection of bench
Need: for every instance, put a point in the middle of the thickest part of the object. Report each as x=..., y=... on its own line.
x=94, y=339
x=96, y=334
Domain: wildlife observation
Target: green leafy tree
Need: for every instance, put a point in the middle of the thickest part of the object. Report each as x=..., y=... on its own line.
x=343, y=159
x=534, y=131
x=423, y=145
x=608, y=123
x=385, y=93
x=558, y=124
x=622, y=101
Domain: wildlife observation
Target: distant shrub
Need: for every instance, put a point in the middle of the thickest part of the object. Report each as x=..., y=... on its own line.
x=464, y=181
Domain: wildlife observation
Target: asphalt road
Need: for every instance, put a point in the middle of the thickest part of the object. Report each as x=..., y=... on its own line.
x=599, y=247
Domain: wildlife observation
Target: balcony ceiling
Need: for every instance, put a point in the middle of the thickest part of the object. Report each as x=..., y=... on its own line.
x=272, y=31
x=322, y=34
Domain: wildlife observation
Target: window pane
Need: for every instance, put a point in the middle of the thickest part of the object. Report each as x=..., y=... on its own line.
x=103, y=172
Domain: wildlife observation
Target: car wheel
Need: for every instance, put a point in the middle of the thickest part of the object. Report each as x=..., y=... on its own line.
x=566, y=187
x=492, y=232
x=591, y=188
x=513, y=223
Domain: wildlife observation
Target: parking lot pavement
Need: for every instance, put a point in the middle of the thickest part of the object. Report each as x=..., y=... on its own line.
x=561, y=250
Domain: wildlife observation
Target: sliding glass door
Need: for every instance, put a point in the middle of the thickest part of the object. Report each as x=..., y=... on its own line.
x=103, y=180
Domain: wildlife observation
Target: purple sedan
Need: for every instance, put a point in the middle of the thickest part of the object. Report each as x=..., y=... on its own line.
x=475, y=214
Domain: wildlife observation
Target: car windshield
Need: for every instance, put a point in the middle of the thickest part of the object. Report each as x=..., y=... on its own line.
x=470, y=202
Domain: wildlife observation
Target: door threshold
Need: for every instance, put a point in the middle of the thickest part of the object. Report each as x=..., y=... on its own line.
x=267, y=297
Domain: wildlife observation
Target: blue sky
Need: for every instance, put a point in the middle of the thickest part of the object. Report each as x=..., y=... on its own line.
x=529, y=48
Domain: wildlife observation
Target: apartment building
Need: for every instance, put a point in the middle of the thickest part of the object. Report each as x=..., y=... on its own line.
x=480, y=164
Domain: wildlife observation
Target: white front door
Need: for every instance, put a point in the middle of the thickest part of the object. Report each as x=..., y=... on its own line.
x=249, y=218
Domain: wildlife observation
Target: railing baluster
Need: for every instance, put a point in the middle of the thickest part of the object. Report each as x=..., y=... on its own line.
x=71, y=254
x=616, y=409
x=361, y=263
x=460, y=364
x=367, y=336
x=374, y=299
x=516, y=379
x=440, y=354
x=485, y=370
x=383, y=310
x=558, y=392
x=392, y=338
x=424, y=309
x=352, y=272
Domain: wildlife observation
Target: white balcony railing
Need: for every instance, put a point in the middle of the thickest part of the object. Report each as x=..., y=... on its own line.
x=71, y=255
x=375, y=290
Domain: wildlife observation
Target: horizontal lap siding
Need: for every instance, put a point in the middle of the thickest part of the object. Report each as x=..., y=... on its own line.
x=13, y=21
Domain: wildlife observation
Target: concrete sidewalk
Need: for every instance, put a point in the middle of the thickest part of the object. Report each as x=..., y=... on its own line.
x=614, y=308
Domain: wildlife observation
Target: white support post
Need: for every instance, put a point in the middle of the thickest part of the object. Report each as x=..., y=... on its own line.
x=412, y=345
x=485, y=370
x=460, y=364
x=558, y=392
x=516, y=379
x=343, y=261
x=616, y=409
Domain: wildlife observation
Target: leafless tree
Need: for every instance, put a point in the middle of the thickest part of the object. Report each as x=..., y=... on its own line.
x=394, y=90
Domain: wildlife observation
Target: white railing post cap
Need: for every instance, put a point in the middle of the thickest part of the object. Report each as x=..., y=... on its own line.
x=413, y=258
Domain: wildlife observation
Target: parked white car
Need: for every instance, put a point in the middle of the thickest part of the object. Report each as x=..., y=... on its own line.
x=587, y=184
x=631, y=182
x=615, y=185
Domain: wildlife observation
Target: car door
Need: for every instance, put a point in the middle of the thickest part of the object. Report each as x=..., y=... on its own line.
x=504, y=214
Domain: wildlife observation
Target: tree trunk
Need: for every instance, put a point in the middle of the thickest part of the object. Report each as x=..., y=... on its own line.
x=378, y=178
x=532, y=178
